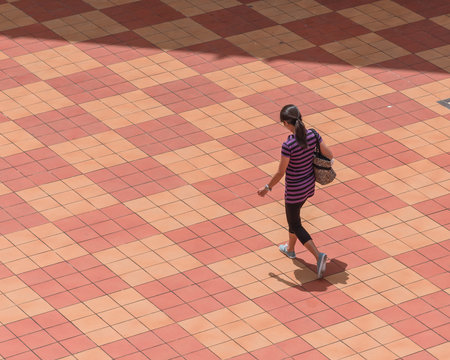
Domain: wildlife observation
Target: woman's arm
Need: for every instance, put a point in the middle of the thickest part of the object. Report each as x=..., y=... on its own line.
x=284, y=162
x=325, y=150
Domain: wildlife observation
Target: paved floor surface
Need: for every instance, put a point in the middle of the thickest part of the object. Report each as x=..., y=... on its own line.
x=133, y=138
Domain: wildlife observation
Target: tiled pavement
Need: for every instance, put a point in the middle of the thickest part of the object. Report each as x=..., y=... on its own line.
x=134, y=136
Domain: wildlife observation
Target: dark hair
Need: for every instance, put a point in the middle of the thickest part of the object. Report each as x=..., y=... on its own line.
x=291, y=114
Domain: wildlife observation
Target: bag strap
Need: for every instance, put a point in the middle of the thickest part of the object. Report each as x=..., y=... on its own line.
x=316, y=135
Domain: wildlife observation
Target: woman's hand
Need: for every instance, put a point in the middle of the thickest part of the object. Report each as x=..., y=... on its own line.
x=263, y=191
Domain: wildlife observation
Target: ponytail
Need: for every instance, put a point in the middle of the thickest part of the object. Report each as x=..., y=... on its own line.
x=291, y=115
x=300, y=134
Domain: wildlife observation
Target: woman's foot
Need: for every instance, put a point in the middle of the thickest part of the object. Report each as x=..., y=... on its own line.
x=284, y=250
x=321, y=265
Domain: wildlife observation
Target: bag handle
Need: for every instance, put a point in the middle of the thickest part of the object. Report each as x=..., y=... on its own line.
x=316, y=135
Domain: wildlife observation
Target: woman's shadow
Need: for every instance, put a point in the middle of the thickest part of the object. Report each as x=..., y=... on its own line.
x=334, y=267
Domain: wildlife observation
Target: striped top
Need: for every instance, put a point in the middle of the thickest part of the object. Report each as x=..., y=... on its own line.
x=300, y=179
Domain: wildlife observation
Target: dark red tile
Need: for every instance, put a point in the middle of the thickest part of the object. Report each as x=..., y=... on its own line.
x=40, y=11
x=422, y=35
x=429, y=9
x=139, y=14
x=233, y=21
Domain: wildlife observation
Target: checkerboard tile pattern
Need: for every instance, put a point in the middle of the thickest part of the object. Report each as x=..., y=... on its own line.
x=134, y=135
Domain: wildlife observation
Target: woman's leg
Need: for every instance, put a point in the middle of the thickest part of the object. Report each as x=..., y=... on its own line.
x=296, y=230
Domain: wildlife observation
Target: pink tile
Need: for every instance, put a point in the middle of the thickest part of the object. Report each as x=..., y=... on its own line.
x=286, y=313
x=51, y=352
x=61, y=300
x=200, y=274
x=166, y=300
x=49, y=319
x=171, y=332
x=181, y=312
x=119, y=348
x=409, y=326
x=12, y=347
x=21, y=327
x=209, y=256
x=145, y=340
x=204, y=354
x=392, y=314
x=269, y=352
x=302, y=325
x=24, y=356
x=215, y=286
x=87, y=292
x=421, y=355
x=37, y=339
x=186, y=345
x=351, y=310
x=433, y=318
x=415, y=307
x=161, y=352
x=230, y=297
x=63, y=331
x=206, y=305
x=294, y=346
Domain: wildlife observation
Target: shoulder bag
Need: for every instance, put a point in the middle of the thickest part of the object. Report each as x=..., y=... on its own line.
x=322, y=165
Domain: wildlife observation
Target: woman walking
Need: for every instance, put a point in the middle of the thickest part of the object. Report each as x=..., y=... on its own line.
x=297, y=163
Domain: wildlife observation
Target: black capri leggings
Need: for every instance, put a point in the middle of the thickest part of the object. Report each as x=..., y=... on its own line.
x=295, y=223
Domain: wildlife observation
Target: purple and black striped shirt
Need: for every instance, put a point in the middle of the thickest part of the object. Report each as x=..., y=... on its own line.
x=300, y=179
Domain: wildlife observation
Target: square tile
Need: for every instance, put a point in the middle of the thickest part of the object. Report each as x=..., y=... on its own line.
x=125, y=14
x=381, y=15
x=233, y=20
x=365, y=49
x=270, y=42
x=286, y=11
x=176, y=34
x=85, y=26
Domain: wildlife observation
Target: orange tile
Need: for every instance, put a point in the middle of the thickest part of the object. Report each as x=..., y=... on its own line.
x=337, y=350
x=253, y=342
x=319, y=338
x=403, y=347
